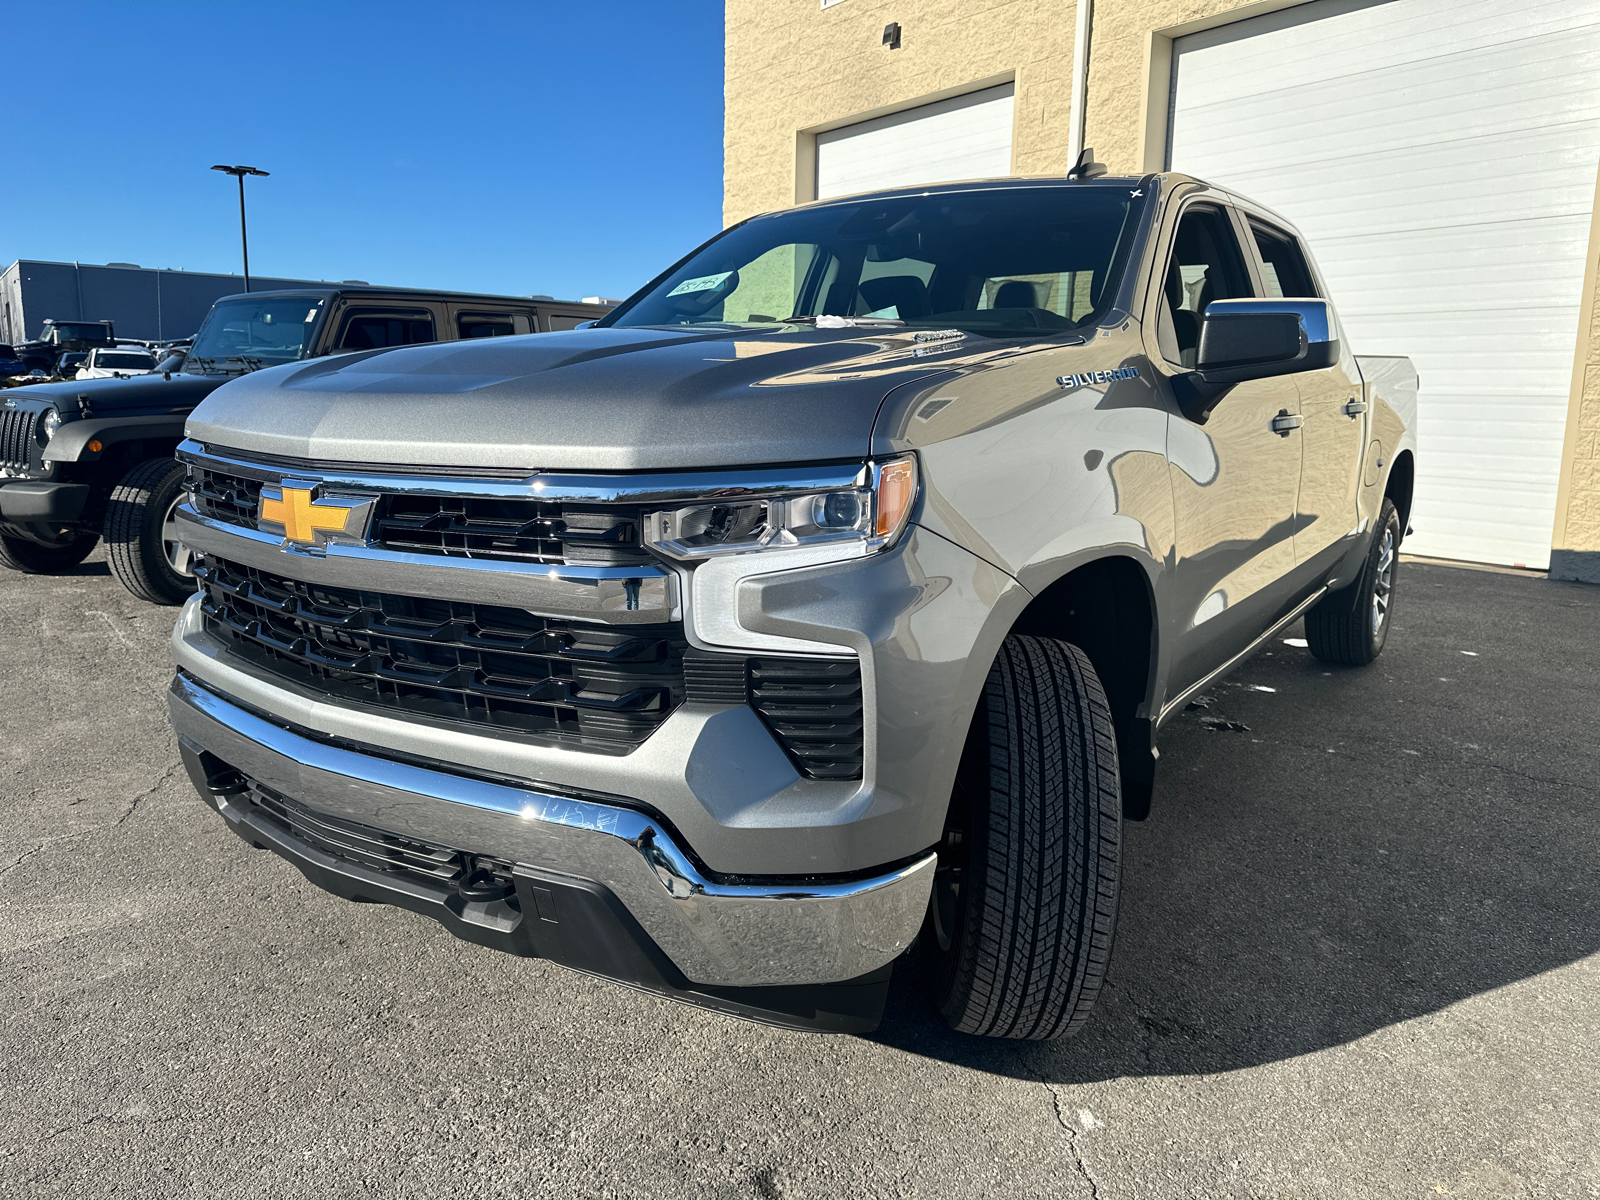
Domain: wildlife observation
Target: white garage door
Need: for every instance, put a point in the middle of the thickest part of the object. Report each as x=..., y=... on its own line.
x=966, y=137
x=1440, y=157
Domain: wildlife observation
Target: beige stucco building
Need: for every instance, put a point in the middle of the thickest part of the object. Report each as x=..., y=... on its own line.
x=1440, y=156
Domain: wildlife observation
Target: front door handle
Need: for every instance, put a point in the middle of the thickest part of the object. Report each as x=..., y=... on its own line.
x=1286, y=422
x=1354, y=407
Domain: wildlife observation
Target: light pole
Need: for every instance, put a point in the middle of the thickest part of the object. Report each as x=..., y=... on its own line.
x=244, y=238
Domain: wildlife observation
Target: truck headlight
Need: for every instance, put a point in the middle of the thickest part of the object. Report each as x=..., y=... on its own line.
x=867, y=516
x=51, y=423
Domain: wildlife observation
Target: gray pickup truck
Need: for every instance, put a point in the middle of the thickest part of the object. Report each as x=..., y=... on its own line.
x=818, y=607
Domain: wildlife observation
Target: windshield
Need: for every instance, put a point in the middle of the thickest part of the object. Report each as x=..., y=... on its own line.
x=126, y=362
x=245, y=334
x=69, y=331
x=1013, y=260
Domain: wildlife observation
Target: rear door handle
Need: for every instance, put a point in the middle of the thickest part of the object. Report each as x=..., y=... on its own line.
x=1286, y=422
x=1354, y=407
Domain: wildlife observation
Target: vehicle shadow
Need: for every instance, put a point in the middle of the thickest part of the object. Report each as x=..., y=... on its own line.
x=1380, y=843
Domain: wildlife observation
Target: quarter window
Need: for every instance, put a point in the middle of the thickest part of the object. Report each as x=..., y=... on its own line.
x=1283, y=265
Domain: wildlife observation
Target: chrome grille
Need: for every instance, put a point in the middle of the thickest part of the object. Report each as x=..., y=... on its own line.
x=508, y=529
x=451, y=661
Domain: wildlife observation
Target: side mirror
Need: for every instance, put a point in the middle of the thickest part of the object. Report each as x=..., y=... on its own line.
x=1256, y=339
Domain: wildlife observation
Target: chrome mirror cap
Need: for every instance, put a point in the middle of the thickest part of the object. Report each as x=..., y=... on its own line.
x=1316, y=317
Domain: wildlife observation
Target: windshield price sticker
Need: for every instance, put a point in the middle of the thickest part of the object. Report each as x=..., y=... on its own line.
x=704, y=283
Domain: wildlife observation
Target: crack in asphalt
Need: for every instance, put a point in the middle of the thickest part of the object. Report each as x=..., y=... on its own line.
x=26, y=855
x=146, y=794
x=133, y=807
x=97, y=1119
x=1072, y=1141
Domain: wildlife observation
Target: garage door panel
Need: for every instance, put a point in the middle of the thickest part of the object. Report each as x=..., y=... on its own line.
x=1440, y=158
x=1311, y=46
x=1324, y=126
x=966, y=137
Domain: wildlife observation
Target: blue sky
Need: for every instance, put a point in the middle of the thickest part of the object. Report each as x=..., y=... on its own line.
x=572, y=149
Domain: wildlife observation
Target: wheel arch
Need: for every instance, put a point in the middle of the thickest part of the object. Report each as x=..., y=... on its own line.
x=1107, y=608
x=1400, y=486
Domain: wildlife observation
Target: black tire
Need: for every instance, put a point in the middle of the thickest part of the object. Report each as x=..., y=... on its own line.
x=1350, y=626
x=1025, y=900
x=135, y=523
x=31, y=558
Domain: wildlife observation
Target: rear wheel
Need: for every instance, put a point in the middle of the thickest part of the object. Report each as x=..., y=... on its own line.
x=142, y=541
x=1024, y=905
x=1351, y=625
x=19, y=554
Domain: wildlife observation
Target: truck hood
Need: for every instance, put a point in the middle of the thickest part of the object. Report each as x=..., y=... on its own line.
x=139, y=393
x=584, y=400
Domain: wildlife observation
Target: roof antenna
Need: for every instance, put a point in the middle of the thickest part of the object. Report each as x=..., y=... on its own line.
x=1086, y=167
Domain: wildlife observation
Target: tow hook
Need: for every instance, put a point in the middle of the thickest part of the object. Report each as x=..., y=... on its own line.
x=481, y=885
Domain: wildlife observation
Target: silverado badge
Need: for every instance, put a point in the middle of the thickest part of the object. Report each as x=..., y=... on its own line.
x=306, y=521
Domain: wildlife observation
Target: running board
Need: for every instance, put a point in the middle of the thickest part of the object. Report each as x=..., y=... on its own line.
x=1294, y=615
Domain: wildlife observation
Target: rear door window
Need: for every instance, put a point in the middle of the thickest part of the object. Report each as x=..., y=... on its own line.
x=486, y=325
x=553, y=321
x=375, y=329
x=1284, y=272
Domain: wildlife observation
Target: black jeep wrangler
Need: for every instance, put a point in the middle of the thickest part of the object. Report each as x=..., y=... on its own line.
x=88, y=458
x=61, y=338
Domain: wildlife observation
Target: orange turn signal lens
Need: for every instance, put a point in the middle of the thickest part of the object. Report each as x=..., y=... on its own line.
x=897, y=488
x=95, y=446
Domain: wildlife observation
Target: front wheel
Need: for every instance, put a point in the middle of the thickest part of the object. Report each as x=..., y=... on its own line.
x=1351, y=625
x=31, y=558
x=142, y=542
x=1024, y=905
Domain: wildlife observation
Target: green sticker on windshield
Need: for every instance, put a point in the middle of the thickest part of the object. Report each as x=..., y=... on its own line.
x=703, y=284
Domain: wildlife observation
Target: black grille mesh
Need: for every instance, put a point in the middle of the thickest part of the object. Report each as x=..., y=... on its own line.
x=231, y=499
x=375, y=849
x=814, y=706
x=17, y=427
x=501, y=668
x=519, y=530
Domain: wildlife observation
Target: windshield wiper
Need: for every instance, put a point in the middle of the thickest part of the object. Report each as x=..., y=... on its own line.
x=250, y=364
x=829, y=321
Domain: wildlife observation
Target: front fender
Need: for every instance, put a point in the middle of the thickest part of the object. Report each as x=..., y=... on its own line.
x=71, y=442
x=926, y=621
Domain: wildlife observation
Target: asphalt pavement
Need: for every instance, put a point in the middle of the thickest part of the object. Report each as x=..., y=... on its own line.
x=1359, y=956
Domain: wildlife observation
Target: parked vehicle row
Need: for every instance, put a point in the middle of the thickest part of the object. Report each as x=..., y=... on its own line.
x=93, y=458
x=822, y=602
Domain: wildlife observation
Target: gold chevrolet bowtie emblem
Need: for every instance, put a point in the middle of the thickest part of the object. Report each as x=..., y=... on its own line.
x=303, y=518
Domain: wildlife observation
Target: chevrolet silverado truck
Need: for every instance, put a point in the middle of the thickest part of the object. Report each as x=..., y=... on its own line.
x=93, y=457
x=819, y=606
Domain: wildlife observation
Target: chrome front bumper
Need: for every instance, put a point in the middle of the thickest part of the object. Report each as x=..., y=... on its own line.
x=736, y=935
